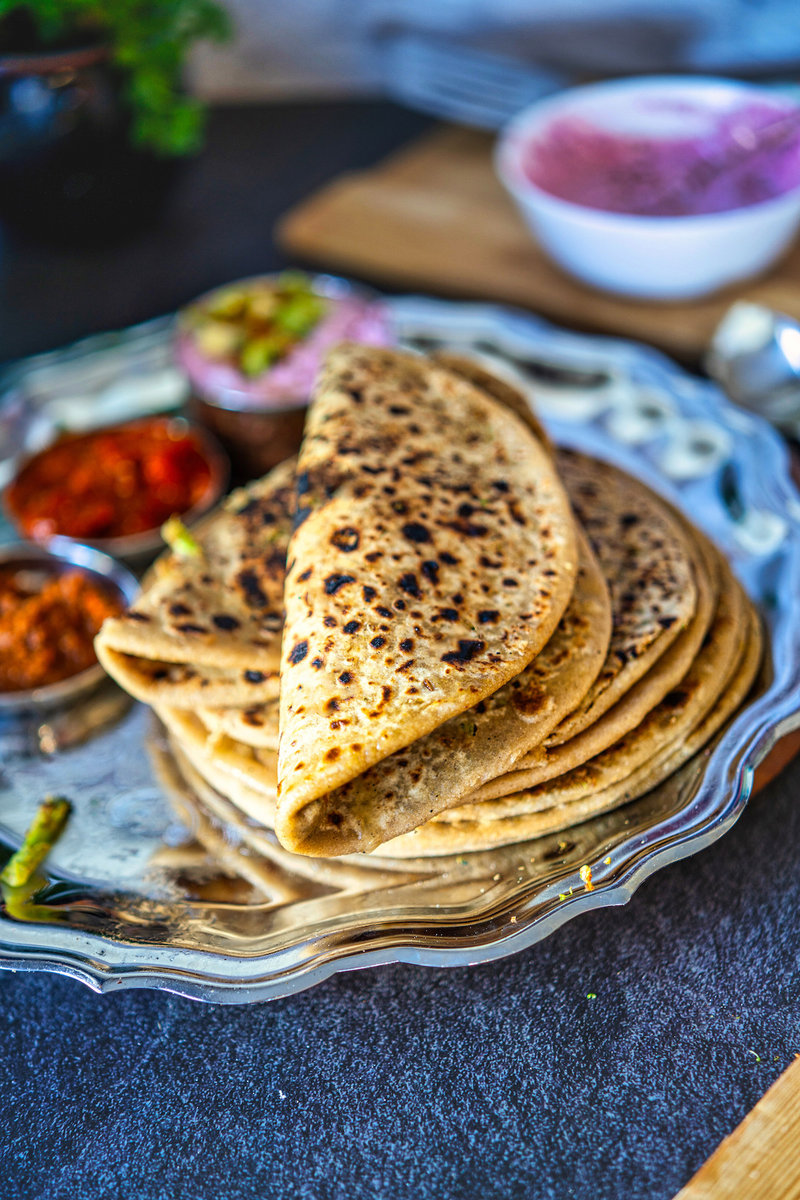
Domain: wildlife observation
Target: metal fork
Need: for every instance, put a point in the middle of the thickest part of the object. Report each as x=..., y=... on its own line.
x=461, y=84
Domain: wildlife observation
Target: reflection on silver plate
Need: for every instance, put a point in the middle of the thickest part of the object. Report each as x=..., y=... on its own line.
x=128, y=904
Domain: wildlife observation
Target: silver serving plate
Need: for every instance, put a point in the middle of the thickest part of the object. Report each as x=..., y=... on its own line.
x=123, y=908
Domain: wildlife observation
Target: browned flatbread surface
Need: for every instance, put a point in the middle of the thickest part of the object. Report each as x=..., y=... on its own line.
x=436, y=771
x=181, y=685
x=435, y=553
x=256, y=725
x=712, y=578
x=647, y=561
x=675, y=716
x=437, y=838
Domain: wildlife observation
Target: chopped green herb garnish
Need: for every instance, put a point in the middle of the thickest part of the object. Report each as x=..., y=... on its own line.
x=254, y=326
x=44, y=831
x=300, y=313
x=260, y=353
x=179, y=539
x=293, y=281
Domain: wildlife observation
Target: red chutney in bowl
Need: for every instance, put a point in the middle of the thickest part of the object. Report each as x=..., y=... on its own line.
x=112, y=483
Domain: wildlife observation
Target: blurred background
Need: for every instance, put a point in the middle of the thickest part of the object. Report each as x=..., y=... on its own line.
x=443, y=56
x=148, y=148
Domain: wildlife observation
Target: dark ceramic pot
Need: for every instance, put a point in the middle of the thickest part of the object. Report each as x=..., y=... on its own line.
x=68, y=171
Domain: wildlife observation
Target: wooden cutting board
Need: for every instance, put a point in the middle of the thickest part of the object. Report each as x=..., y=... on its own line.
x=434, y=218
x=761, y=1158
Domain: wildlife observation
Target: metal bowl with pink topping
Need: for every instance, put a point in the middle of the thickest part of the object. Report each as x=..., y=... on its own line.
x=251, y=351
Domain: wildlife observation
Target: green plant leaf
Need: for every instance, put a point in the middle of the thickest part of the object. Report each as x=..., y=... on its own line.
x=150, y=41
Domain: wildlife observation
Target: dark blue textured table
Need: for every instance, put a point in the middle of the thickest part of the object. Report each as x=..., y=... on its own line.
x=492, y=1082
x=487, y=1082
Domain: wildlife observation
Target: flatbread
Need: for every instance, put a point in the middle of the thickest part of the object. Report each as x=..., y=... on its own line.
x=445, y=765
x=498, y=389
x=647, y=561
x=436, y=844
x=223, y=608
x=246, y=773
x=738, y=687
x=436, y=838
x=712, y=576
x=181, y=685
x=680, y=710
x=256, y=725
x=202, y=800
x=434, y=555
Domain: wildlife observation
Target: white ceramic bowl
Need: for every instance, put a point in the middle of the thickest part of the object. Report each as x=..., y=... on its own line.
x=658, y=258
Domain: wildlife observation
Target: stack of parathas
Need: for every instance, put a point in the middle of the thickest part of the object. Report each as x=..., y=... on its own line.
x=432, y=633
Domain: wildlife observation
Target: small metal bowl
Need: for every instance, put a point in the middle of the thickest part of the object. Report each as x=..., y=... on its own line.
x=259, y=422
x=139, y=549
x=60, y=555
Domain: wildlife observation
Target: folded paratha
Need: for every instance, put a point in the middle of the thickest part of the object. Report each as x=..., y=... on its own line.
x=680, y=710
x=648, y=563
x=439, y=770
x=444, y=766
x=437, y=838
x=216, y=615
x=257, y=725
x=181, y=685
x=553, y=757
x=213, y=818
x=434, y=554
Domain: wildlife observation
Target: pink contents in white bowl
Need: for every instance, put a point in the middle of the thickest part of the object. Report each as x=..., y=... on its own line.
x=661, y=187
x=668, y=157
